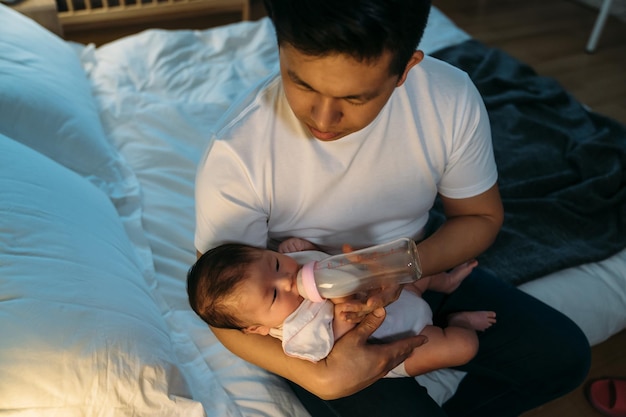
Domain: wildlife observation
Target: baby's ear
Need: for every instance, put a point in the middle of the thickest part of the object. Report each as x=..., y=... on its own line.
x=257, y=329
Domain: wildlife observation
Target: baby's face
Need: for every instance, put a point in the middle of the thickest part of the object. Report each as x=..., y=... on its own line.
x=270, y=294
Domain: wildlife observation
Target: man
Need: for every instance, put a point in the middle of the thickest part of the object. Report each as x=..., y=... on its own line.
x=350, y=144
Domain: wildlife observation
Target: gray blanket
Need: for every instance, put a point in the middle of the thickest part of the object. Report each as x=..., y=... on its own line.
x=562, y=169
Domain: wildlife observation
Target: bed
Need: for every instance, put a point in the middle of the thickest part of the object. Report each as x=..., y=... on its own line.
x=98, y=149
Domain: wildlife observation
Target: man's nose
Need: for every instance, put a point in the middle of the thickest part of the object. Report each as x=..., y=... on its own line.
x=326, y=113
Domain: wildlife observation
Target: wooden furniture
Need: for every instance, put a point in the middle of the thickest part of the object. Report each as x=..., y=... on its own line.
x=69, y=16
x=43, y=12
x=95, y=14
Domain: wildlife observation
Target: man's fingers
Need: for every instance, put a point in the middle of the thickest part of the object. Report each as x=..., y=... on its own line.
x=417, y=341
x=372, y=321
x=405, y=347
x=388, y=355
x=383, y=296
x=347, y=250
x=398, y=351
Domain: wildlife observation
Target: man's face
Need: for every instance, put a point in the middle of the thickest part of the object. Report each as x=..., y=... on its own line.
x=335, y=95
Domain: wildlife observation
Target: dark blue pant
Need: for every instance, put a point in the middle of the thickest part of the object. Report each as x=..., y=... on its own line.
x=532, y=355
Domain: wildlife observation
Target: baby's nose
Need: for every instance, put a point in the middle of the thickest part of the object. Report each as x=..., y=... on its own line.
x=288, y=282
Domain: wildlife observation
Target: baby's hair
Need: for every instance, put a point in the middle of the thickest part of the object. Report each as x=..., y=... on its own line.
x=213, y=279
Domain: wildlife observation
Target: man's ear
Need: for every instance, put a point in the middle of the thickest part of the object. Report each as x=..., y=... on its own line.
x=416, y=58
x=257, y=329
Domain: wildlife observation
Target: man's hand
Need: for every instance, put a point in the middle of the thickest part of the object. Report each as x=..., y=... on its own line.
x=354, y=308
x=351, y=365
x=364, y=363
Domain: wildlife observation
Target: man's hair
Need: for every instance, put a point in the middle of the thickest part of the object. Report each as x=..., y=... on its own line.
x=362, y=29
x=213, y=279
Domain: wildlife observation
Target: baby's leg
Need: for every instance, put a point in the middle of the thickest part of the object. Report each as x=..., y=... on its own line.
x=295, y=244
x=475, y=320
x=418, y=287
x=452, y=346
x=447, y=282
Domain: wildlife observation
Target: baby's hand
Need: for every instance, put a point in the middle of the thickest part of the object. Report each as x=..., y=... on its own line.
x=295, y=244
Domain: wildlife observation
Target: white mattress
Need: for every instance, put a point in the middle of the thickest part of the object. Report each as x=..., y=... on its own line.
x=159, y=94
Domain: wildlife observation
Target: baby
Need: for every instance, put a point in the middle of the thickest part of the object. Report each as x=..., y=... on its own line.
x=254, y=290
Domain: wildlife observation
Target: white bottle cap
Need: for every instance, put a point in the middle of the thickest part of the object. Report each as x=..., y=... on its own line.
x=306, y=283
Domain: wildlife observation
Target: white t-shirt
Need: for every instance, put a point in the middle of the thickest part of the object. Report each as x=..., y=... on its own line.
x=265, y=178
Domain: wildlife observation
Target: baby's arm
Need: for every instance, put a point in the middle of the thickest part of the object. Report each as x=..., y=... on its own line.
x=452, y=346
x=295, y=244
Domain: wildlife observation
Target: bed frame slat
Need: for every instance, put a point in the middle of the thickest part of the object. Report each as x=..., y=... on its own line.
x=101, y=13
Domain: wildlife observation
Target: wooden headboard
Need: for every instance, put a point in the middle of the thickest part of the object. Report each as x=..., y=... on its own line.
x=77, y=14
x=100, y=21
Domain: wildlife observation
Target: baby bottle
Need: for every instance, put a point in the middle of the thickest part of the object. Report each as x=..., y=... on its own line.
x=361, y=270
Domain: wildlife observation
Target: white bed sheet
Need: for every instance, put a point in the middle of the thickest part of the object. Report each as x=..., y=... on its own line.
x=159, y=94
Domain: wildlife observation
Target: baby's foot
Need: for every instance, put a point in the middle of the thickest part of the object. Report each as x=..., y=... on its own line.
x=475, y=320
x=295, y=244
x=447, y=282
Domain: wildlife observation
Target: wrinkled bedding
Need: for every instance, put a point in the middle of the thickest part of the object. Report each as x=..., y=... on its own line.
x=562, y=168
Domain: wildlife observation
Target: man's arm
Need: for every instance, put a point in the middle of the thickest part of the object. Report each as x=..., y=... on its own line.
x=471, y=226
x=352, y=365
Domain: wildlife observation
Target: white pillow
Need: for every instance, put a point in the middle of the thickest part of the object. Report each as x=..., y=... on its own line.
x=46, y=103
x=81, y=334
